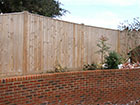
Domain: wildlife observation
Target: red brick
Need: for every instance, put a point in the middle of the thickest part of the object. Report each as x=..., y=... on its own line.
x=98, y=86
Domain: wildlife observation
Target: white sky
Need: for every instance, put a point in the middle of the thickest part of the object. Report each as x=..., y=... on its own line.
x=101, y=13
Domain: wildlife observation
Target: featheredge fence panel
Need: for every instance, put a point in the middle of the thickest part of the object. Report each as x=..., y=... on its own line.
x=32, y=43
x=11, y=44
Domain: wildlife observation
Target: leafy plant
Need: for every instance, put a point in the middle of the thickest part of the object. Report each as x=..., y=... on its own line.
x=103, y=48
x=90, y=67
x=113, y=60
x=59, y=68
x=50, y=8
x=50, y=71
x=100, y=66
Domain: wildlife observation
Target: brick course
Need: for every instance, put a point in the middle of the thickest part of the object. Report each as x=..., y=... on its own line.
x=99, y=87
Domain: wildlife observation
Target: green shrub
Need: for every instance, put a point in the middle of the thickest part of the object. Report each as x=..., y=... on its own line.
x=90, y=67
x=113, y=60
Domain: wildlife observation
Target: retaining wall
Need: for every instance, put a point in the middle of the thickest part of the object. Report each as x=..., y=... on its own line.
x=74, y=88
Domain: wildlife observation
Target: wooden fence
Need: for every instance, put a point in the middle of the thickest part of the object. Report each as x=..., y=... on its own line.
x=32, y=43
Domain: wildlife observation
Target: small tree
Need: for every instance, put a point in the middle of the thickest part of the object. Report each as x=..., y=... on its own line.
x=103, y=48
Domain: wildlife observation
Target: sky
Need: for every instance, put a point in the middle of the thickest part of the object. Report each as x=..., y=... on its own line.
x=100, y=13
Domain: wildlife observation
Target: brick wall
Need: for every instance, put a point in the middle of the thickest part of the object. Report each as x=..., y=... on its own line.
x=74, y=88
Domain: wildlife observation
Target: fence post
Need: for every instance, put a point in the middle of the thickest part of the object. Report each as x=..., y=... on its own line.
x=118, y=45
x=25, y=33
